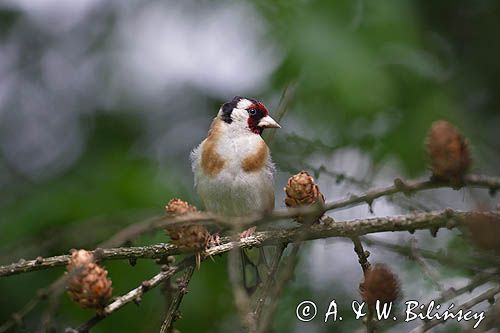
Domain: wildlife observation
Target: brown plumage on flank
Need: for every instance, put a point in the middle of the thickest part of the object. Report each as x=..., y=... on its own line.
x=211, y=162
x=256, y=161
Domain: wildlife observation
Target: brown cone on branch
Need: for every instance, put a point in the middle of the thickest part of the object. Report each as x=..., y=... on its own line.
x=448, y=152
x=88, y=283
x=178, y=207
x=302, y=190
x=186, y=237
x=483, y=230
x=380, y=283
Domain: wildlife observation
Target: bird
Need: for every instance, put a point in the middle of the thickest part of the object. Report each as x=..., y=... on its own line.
x=234, y=172
x=233, y=169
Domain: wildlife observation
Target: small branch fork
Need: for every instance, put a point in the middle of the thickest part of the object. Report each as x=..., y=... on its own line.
x=112, y=251
x=173, y=311
x=286, y=273
x=426, y=268
x=135, y=294
x=488, y=295
x=268, y=284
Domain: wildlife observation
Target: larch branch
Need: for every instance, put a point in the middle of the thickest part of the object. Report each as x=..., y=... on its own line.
x=329, y=228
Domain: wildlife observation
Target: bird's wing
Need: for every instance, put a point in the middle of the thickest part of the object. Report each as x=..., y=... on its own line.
x=270, y=172
x=195, y=157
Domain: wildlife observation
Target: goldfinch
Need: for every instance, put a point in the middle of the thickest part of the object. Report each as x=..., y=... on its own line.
x=233, y=170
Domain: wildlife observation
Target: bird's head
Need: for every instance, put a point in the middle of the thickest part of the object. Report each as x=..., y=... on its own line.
x=247, y=114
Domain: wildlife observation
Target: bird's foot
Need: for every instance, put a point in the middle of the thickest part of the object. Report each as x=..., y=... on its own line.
x=248, y=232
x=213, y=240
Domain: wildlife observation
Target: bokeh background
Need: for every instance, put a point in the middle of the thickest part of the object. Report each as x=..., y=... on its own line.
x=102, y=101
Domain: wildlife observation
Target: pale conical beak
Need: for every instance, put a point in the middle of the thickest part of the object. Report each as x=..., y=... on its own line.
x=268, y=122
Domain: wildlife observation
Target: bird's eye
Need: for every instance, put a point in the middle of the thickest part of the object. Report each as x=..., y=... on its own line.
x=252, y=112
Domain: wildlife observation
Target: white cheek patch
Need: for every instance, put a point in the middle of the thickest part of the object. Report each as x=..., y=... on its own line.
x=244, y=104
x=239, y=115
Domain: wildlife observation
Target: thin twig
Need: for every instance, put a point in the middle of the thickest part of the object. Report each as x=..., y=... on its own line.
x=370, y=323
x=338, y=176
x=47, y=321
x=282, y=109
x=461, y=262
x=476, y=281
x=42, y=294
x=240, y=296
x=491, y=322
x=362, y=254
x=486, y=296
x=148, y=252
x=268, y=285
x=135, y=294
x=426, y=268
x=285, y=276
x=173, y=310
x=168, y=289
x=408, y=188
x=365, y=266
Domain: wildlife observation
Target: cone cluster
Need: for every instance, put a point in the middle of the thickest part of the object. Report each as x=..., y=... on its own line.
x=484, y=231
x=381, y=284
x=88, y=283
x=302, y=190
x=186, y=237
x=448, y=152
